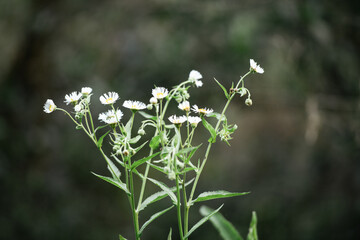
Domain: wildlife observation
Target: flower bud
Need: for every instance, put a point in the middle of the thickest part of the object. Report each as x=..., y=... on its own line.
x=141, y=132
x=149, y=106
x=153, y=100
x=78, y=108
x=242, y=92
x=248, y=102
x=125, y=153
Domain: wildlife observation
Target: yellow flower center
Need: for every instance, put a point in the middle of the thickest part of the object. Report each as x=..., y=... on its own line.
x=109, y=100
x=51, y=108
x=160, y=95
x=202, y=110
x=133, y=106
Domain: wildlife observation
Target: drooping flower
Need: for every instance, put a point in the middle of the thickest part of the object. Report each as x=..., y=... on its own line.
x=194, y=120
x=255, y=67
x=86, y=90
x=134, y=105
x=111, y=116
x=202, y=111
x=195, y=77
x=185, y=106
x=109, y=98
x=160, y=92
x=72, y=97
x=49, y=106
x=177, y=120
x=78, y=108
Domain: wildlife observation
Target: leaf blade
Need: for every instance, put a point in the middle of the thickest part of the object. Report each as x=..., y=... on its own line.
x=152, y=218
x=205, y=196
x=120, y=185
x=223, y=88
x=143, y=160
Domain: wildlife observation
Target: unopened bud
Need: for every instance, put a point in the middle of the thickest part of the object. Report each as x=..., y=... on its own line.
x=125, y=153
x=141, y=132
x=78, y=108
x=153, y=100
x=248, y=102
x=149, y=107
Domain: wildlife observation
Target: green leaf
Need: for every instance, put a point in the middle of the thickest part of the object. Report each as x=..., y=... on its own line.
x=217, y=116
x=121, y=237
x=192, y=153
x=205, y=196
x=100, y=127
x=127, y=128
x=141, y=161
x=114, y=182
x=202, y=221
x=223, y=88
x=146, y=115
x=101, y=139
x=210, y=129
x=158, y=196
x=155, y=142
x=252, y=235
x=169, y=236
x=152, y=218
x=115, y=172
x=165, y=188
x=160, y=169
x=225, y=228
x=135, y=139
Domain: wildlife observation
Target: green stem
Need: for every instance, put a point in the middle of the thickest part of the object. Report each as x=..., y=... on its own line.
x=178, y=206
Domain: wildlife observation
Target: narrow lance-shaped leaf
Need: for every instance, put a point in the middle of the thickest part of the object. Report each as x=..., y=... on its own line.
x=252, y=235
x=115, y=172
x=225, y=228
x=205, y=196
x=210, y=129
x=101, y=139
x=121, y=237
x=158, y=196
x=114, y=182
x=223, y=88
x=166, y=189
x=202, y=221
x=134, y=140
x=141, y=161
x=152, y=218
x=169, y=236
x=146, y=115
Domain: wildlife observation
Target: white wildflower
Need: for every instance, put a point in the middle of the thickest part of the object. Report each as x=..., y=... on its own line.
x=49, y=106
x=255, y=67
x=109, y=98
x=194, y=120
x=177, y=120
x=159, y=92
x=86, y=91
x=202, y=111
x=195, y=77
x=111, y=116
x=72, y=97
x=78, y=108
x=185, y=106
x=134, y=105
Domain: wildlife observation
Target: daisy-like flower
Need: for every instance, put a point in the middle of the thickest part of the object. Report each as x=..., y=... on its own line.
x=177, y=120
x=49, y=106
x=72, y=97
x=202, y=111
x=86, y=91
x=160, y=92
x=111, y=116
x=195, y=77
x=194, y=120
x=255, y=67
x=185, y=106
x=134, y=105
x=109, y=98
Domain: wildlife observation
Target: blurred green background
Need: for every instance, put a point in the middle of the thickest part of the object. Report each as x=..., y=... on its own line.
x=297, y=149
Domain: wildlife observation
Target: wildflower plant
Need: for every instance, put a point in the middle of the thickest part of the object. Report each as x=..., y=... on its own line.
x=170, y=148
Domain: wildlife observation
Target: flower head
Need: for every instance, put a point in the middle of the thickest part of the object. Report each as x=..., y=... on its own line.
x=109, y=98
x=78, y=108
x=111, y=116
x=185, y=106
x=177, y=120
x=72, y=97
x=195, y=77
x=134, y=105
x=255, y=67
x=86, y=90
x=194, y=120
x=160, y=92
x=202, y=111
x=49, y=106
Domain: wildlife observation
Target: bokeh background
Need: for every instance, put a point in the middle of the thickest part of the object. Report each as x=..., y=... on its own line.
x=297, y=148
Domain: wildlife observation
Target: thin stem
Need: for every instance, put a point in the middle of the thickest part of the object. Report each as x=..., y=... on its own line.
x=178, y=206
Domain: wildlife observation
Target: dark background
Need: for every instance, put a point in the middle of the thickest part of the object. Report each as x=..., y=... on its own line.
x=297, y=149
